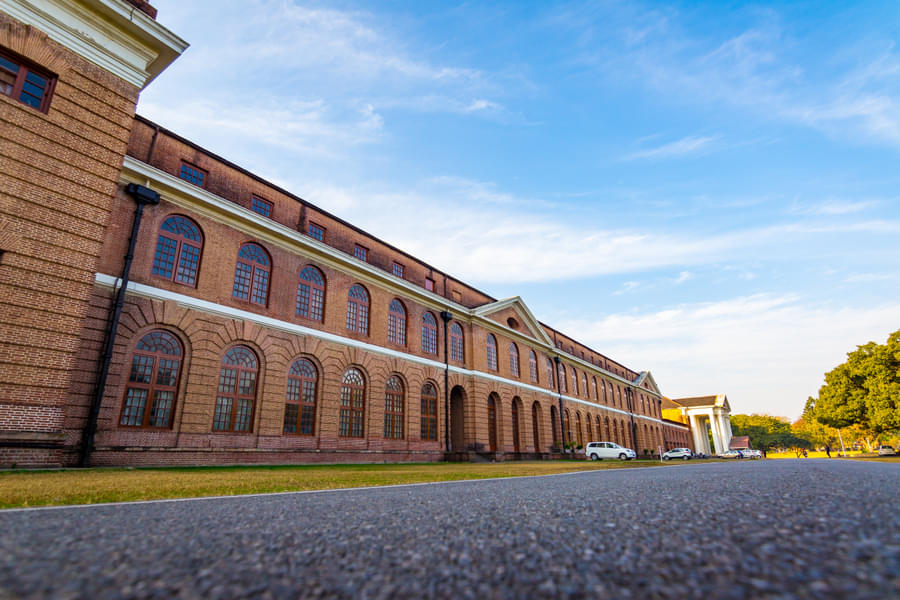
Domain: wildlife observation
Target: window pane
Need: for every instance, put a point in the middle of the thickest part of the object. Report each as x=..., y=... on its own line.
x=133, y=413
x=162, y=408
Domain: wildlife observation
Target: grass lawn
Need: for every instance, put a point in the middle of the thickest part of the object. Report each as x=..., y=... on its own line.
x=90, y=486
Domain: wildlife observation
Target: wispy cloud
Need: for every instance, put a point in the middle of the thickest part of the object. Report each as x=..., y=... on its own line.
x=683, y=147
x=766, y=352
x=837, y=207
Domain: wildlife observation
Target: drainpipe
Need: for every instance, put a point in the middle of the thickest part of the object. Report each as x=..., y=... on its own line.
x=445, y=317
x=142, y=196
x=562, y=423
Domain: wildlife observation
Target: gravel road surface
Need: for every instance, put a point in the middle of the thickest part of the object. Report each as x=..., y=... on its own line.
x=762, y=529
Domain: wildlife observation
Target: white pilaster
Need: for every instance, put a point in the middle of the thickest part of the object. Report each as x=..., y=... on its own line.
x=716, y=433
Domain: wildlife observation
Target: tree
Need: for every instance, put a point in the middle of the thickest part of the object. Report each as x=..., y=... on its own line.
x=864, y=390
x=767, y=432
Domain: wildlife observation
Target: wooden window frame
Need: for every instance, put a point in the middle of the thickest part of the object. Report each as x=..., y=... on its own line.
x=186, y=166
x=429, y=412
x=398, y=270
x=429, y=334
x=311, y=295
x=148, y=364
x=532, y=366
x=491, y=352
x=301, y=393
x=24, y=68
x=457, y=343
x=358, y=310
x=492, y=422
x=514, y=360
x=514, y=415
x=311, y=231
x=396, y=333
x=361, y=252
x=254, y=271
x=184, y=254
x=352, y=420
x=394, y=408
x=237, y=395
x=257, y=203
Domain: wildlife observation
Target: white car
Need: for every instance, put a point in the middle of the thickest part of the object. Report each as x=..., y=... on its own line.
x=601, y=450
x=682, y=453
x=749, y=453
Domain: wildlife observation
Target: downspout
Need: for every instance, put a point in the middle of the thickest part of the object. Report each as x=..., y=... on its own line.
x=445, y=317
x=629, y=393
x=141, y=195
x=562, y=426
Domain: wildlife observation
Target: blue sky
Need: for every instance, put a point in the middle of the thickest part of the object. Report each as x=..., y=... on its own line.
x=709, y=192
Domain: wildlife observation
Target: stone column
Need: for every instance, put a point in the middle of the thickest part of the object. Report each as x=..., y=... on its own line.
x=701, y=444
x=717, y=435
x=725, y=426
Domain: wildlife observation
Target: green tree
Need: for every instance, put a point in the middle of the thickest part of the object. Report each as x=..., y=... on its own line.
x=767, y=432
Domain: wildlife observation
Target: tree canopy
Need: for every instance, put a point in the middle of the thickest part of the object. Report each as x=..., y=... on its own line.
x=767, y=432
x=864, y=390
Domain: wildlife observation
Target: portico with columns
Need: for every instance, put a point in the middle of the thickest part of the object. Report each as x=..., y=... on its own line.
x=707, y=413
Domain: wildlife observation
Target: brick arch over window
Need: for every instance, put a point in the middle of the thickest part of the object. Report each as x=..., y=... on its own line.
x=457, y=348
x=251, y=274
x=178, y=250
x=236, y=397
x=153, y=381
x=358, y=309
x=491, y=346
x=300, y=400
x=513, y=359
x=394, y=408
x=353, y=404
x=397, y=323
x=311, y=294
x=429, y=334
x=429, y=412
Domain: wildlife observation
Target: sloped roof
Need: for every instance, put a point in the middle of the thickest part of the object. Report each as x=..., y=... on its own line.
x=696, y=401
x=739, y=442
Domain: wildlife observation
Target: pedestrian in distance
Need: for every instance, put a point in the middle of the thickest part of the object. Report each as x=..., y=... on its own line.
x=828, y=450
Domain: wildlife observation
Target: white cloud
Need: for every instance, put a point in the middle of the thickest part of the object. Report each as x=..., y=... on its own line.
x=767, y=353
x=683, y=276
x=683, y=147
x=838, y=207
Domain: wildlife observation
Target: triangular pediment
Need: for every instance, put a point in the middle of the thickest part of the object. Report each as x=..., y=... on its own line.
x=513, y=314
x=647, y=378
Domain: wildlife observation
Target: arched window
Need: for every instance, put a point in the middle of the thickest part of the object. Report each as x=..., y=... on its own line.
x=536, y=425
x=153, y=381
x=551, y=380
x=532, y=366
x=237, y=390
x=429, y=333
x=567, y=426
x=393, y=408
x=353, y=404
x=599, y=428
x=513, y=359
x=311, y=294
x=300, y=402
x=603, y=389
x=178, y=249
x=578, y=434
x=607, y=433
x=589, y=428
x=562, y=378
x=574, y=381
x=584, y=387
x=397, y=323
x=515, y=424
x=358, y=309
x=594, y=388
x=457, y=350
x=251, y=274
x=492, y=423
x=429, y=412
x=491, y=352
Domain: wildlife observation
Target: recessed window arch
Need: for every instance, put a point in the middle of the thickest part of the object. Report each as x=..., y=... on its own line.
x=536, y=425
x=394, y=406
x=584, y=387
x=532, y=366
x=562, y=378
x=589, y=429
x=237, y=390
x=574, y=381
x=491, y=352
x=358, y=309
x=493, y=401
x=551, y=380
x=396, y=323
x=311, y=294
x=153, y=381
x=578, y=434
x=514, y=415
x=429, y=334
x=513, y=359
x=603, y=389
x=251, y=274
x=594, y=388
x=567, y=425
x=554, y=426
x=300, y=401
x=178, y=249
x=457, y=349
x=353, y=404
x=429, y=412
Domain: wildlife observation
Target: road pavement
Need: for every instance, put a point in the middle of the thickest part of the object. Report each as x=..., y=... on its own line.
x=763, y=529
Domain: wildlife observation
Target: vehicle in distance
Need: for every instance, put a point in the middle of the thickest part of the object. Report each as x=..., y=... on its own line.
x=750, y=453
x=682, y=453
x=732, y=454
x=601, y=450
x=886, y=451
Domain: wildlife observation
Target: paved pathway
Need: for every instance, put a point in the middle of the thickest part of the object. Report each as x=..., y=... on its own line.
x=763, y=529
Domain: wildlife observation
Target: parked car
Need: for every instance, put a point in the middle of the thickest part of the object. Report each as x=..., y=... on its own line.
x=601, y=450
x=750, y=453
x=732, y=454
x=886, y=451
x=682, y=453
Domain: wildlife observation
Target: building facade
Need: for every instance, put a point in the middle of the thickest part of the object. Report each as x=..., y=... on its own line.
x=254, y=327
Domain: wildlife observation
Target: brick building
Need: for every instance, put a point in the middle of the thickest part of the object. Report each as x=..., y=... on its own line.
x=255, y=327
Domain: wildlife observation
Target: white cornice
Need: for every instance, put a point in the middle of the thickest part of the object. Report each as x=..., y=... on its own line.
x=189, y=196
x=140, y=289
x=110, y=33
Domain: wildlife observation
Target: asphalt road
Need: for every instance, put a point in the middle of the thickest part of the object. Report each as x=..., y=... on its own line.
x=763, y=529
